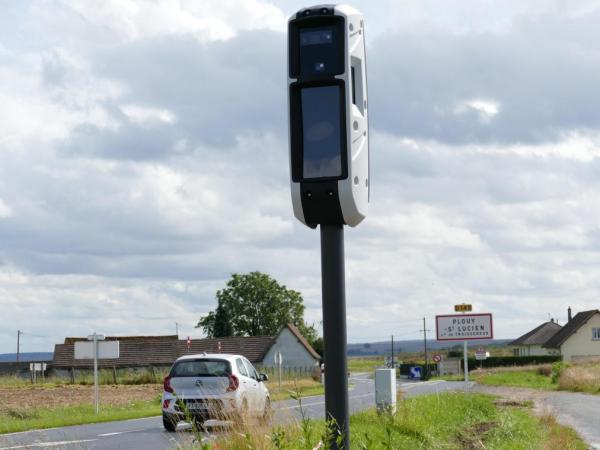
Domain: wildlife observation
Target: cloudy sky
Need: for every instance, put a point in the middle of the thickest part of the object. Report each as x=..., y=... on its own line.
x=143, y=151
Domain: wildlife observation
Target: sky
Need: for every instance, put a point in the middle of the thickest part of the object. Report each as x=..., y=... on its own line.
x=144, y=159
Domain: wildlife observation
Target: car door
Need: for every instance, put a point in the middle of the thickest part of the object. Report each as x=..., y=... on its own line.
x=247, y=384
x=255, y=384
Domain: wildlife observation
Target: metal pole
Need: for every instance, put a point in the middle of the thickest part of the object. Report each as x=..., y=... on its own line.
x=392, y=351
x=334, y=333
x=96, y=395
x=426, y=371
x=18, y=344
x=466, y=361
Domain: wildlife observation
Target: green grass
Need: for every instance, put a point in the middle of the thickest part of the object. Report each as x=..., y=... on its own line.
x=14, y=420
x=365, y=364
x=517, y=378
x=441, y=421
x=105, y=377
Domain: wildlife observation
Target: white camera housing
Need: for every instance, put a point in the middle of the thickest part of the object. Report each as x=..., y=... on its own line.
x=328, y=116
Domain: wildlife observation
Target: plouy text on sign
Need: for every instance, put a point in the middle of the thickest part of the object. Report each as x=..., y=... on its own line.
x=461, y=327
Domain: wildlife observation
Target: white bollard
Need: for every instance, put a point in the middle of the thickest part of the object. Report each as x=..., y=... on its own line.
x=385, y=389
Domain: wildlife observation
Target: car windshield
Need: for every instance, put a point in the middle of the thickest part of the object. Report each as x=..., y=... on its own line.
x=201, y=368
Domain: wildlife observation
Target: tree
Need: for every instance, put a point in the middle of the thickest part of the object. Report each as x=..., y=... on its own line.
x=254, y=304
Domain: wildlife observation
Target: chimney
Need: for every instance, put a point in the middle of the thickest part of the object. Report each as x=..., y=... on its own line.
x=569, y=315
x=551, y=320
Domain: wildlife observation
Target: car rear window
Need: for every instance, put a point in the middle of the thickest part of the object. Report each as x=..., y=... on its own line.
x=201, y=368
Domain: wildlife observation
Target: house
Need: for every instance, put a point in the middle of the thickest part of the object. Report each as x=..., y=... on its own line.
x=161, y=351
x=531, y=343
x=579, y=339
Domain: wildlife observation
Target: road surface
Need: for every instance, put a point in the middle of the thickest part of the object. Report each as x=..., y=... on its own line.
x=149, y=434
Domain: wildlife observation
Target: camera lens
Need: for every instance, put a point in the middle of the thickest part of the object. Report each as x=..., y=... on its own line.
x=324, y=11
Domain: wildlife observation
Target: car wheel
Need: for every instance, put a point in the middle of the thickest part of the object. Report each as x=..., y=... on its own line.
x=243, y=413
x=266, y=417
x=169, y=422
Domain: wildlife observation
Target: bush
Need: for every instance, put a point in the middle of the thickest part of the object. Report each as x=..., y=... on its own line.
x=557, y=369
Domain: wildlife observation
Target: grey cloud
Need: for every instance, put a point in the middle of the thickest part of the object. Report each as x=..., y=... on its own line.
x=542, y=71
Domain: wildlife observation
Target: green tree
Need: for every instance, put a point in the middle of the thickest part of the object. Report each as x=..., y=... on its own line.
x=254, y=304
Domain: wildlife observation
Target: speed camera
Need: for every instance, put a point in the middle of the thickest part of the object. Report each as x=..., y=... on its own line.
x=328, y=116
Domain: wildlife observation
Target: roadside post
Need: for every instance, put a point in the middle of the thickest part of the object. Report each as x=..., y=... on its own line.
x=464, y=327
x=329, y=165
x=96, y=348
x=481, y=355
x=278, y=362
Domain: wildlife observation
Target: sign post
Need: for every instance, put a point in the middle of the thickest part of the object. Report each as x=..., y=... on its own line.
x=464, y=327
x=96, y=348
x=278, y=362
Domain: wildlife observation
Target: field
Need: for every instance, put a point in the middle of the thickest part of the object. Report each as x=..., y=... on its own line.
x=58, y=403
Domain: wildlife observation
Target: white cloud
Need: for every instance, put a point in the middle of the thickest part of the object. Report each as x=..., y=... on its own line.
x=141, y=114
x=5, y=210
x=485, y=109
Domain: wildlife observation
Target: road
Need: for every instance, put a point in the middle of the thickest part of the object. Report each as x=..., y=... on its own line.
x=148, y=433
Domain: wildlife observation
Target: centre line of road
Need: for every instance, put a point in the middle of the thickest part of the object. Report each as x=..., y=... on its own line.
x=48, y=444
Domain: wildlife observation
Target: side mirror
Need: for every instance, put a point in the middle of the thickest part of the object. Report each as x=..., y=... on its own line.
x=263, y=377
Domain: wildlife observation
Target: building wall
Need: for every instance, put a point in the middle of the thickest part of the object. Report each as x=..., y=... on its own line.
x=533, y=350
x=580, y=344
x=293, y=352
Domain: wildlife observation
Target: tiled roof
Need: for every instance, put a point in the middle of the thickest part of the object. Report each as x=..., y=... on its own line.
x=252, y=347
x=539, y=335
x=134, y=351
x=571, y=327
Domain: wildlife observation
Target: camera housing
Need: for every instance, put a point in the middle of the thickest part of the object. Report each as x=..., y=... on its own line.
x=328, y=118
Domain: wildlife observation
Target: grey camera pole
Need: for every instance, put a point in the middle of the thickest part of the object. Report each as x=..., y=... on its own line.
x=334, y=333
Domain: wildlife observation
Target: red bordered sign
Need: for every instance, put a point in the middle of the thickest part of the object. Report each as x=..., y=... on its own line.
x=464, y=327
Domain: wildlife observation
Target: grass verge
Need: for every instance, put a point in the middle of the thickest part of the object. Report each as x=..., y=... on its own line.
x=446, y=420
x=13, y=420
x=518, y=378
x=365, y=364
x=304, y=387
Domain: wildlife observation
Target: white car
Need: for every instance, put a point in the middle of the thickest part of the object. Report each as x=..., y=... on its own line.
x=213, y=386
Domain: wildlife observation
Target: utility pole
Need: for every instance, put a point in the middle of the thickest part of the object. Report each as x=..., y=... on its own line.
x=177, y=329
x=426, y=371
x=392, y=351
x=18, y=344
x=426, y=368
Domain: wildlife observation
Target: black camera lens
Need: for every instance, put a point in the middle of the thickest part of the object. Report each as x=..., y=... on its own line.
x=324, y=11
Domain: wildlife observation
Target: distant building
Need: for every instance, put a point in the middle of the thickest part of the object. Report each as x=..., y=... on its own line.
x=161, y=351
x=579, y=339
x=532, y=343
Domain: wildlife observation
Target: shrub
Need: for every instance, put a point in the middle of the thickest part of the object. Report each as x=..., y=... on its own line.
x=557, y=369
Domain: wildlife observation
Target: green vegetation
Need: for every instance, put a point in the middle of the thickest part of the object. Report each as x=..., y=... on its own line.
x=519, y=378
x=304, y=387
x=476, y=421
x=365, y=364
x=13, y=420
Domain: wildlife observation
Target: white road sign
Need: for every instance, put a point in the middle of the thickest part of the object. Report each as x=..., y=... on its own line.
x=106, y=350
x=37, y=366
x=461, y=327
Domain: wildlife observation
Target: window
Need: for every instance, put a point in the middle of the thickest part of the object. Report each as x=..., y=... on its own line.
x=596, y=334
x=251, y=371
x=241, y=368
x=201, y=368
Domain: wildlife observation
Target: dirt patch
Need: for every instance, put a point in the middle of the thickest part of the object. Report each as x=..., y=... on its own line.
x=34, y=397
x=472, y=438
x=513, y=403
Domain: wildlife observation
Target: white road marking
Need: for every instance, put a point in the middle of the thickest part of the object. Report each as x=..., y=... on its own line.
x=424, y=383
x=305, y=405
x=48, y=444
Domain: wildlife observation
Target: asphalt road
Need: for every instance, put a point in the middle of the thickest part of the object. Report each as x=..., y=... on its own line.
x=148, y=434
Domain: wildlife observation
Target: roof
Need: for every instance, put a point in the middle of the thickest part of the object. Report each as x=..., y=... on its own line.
x=296, y=332
x=254, y=348
x=137, y=351
x=134, y=351
x=539, y=335
x=225, y=356
x=571, y=327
